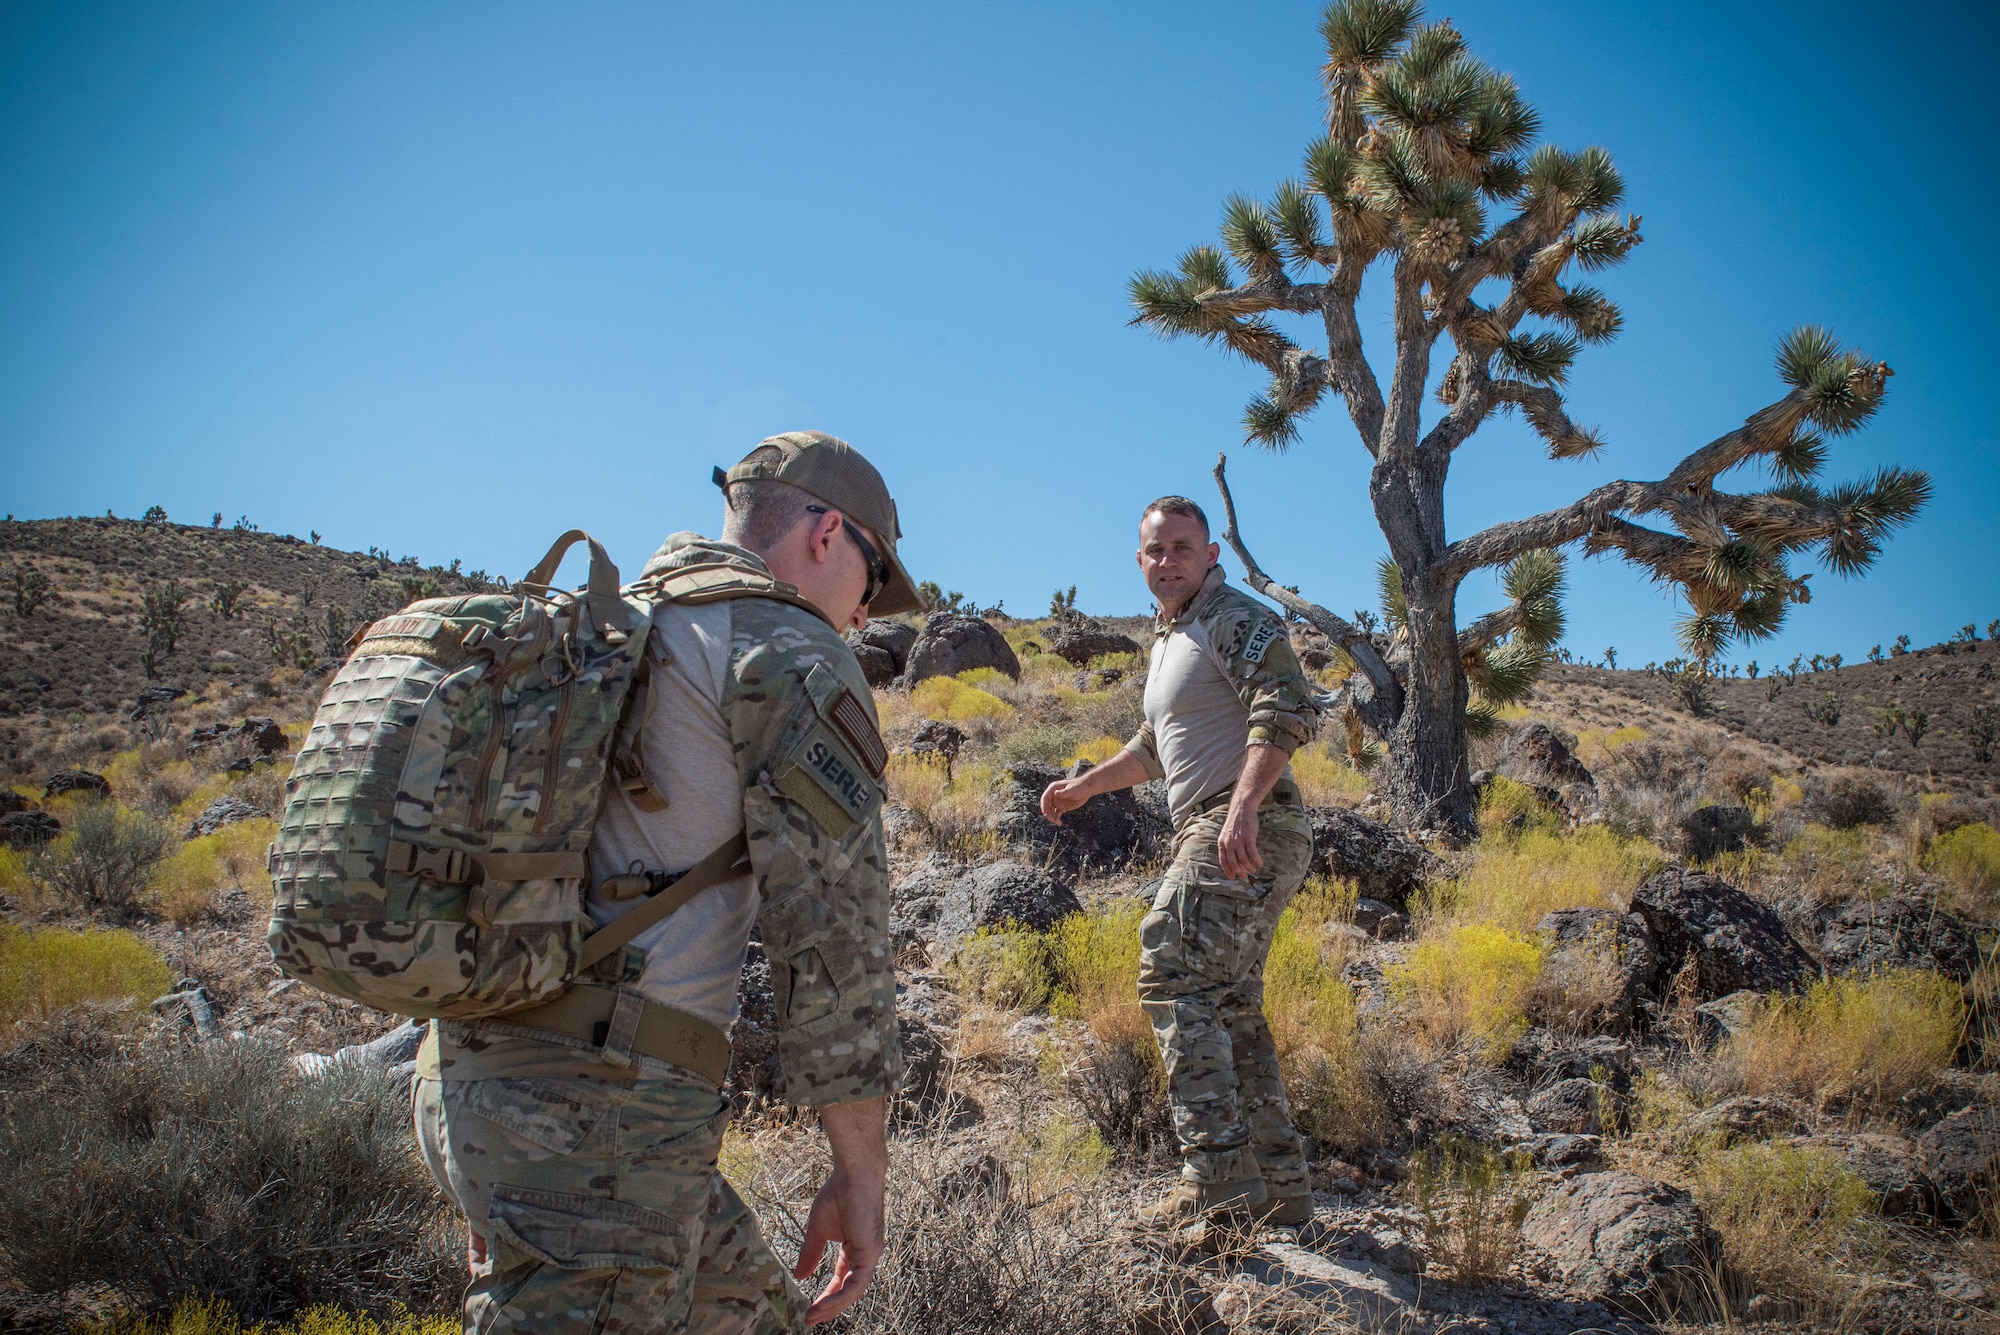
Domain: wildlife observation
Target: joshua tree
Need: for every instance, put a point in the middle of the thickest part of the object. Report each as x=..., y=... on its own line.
x=1426, y=165
x=32, y=588
x=163, y=616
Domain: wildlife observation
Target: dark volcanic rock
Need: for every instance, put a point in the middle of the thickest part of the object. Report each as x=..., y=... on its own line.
x=1110, y=831
x=883, y=649
x=155, y=699
x=1962, y=1156
x=76, y=781
x=1620, y=1239
x=1081, y=640
x=28, y=829
x=222, y=811
x=951, y=644
x=1000, y=893
x=1568, y=1107
x=1735, y=941
x=11, y=802
x=1379, y=920
x=1750, y=1117
x=1383, y=862
x=876, y=665
x=1620, y=942
x=261, y=735
x=1897, y=934
x=1537, y=757
x=1708, y=831
x=937, y=739
x=1890, y=1168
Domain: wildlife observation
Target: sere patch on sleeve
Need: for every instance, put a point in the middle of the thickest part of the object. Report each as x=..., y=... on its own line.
x=1260, y=641
x=823, y=776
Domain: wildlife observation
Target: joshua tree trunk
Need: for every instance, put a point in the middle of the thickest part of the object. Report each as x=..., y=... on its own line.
x=1421, y=138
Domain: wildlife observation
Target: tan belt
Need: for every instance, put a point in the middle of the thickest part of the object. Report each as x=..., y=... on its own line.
x=1284, y=793
x=621, y=1025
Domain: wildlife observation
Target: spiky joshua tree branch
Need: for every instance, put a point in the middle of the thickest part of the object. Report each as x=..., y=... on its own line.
x=1427, y=165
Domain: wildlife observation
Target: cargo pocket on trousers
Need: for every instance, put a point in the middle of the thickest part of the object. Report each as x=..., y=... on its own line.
x=554, y=1114
x=588, y=1232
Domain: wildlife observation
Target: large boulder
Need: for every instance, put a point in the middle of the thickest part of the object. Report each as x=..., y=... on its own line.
x=1962, y=1156
x=998, y=894
x=1749, y=1117
x=1383, y=862
x=1906, y=933
x=1888, y=1165
x=76, y=781
x=153, y=700
x=222, y=811
x=1586, y=940
x=28, y=829
x=1537, y=757
x=1568, y=1107
x=1081, y=640
x=1735, y=942
x=1109, y=832
x=883, y=648
x=951, y=643
x=11, y=802
x=937, y=740
x=1622, y=1240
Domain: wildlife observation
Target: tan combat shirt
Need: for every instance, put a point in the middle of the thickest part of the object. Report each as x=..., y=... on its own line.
x=1223, y=677
x=765, y=723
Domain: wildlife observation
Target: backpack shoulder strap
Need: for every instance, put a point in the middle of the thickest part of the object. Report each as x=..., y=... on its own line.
x=717, y=867
x=718, y=583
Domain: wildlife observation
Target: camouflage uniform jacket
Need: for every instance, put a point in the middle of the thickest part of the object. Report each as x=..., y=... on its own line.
x=801, y=721
x=1223, y=676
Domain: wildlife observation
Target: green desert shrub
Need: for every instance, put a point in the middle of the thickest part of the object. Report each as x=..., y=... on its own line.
x=212, y=1316
x=166, y=1170
x=48, y=970
x=1859, y=1041
x=1788, y=1216
x=103, y=860
x=1968, y=858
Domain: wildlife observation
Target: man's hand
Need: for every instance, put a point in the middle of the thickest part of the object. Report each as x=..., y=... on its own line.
x=1065, y=795
x=1236, y=849
x=849, y=1208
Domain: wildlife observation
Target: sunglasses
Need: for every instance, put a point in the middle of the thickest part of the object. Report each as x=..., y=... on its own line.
x=878, y=569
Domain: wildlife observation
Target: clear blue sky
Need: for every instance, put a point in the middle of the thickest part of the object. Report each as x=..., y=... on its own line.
x=450, y=278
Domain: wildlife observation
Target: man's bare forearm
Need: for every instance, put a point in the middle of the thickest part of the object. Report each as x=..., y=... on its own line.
x=1263, y=766
x=859, y=1136
x=1123, y=770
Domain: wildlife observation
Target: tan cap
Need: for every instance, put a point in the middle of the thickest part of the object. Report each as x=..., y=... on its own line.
x=834, y=471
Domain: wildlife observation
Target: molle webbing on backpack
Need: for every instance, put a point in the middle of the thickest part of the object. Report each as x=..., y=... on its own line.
x=431, y=855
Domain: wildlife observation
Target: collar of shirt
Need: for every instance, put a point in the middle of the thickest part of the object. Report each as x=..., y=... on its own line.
x=1214, y=580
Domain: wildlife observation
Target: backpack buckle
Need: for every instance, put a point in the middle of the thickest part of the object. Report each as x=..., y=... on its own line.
x=446, y=866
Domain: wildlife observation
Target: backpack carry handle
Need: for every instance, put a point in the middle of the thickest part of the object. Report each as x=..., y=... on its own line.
x=607, y=610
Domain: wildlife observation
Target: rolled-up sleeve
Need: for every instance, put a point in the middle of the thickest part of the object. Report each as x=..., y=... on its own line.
x=1146, y=751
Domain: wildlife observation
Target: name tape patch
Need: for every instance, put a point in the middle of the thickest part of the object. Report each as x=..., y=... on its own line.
x=1260, y=640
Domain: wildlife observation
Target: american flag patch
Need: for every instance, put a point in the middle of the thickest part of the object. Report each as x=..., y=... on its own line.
x=855, y=725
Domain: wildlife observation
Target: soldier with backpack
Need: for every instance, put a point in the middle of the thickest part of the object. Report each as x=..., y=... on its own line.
x=551, y=822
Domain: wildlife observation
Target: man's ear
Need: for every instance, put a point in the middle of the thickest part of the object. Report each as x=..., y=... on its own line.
x=1214, y=555
x=825, y=534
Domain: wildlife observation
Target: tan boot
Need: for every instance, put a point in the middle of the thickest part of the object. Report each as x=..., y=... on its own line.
x=1188, y=1201
x=1286, y=1211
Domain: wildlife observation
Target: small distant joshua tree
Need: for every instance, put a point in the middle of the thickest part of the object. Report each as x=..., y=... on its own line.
x=1900, y=647
x=1424, y=145
x=222, y=602
x=32, y=588
x=315, y=536
x=1825, y=711
x=1916, y=723
x=1984, y=732
x=1993, y=630
x=1063, y=603
x=163, y=617
x=1875, y=654
x=1750, y=669
x=1833, y=661
x=1611, y=658
x=217, y=521
x=1967, y=634
x=155, y=516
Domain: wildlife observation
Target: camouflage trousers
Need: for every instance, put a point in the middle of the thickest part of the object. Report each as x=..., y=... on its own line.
x=1201, y=982
x=599, y=1200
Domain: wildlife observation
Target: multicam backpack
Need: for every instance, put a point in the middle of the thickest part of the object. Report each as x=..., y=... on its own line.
x=430, y=860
